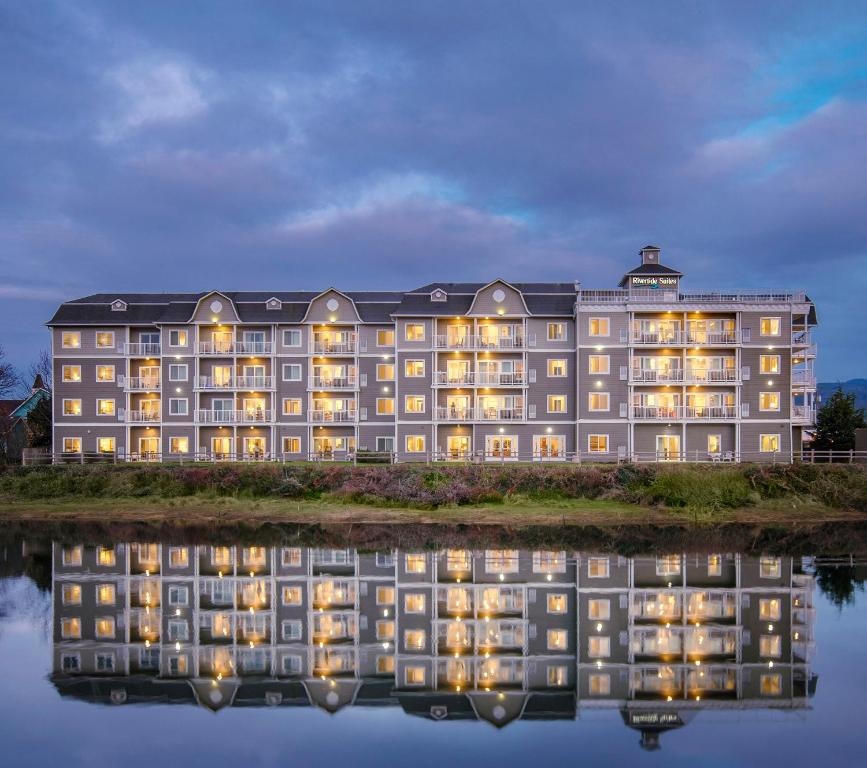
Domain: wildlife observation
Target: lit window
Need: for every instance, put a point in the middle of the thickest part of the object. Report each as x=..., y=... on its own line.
x=179, y=445
x=458, y=560
x=104, y=373
x=105, y=594
x=414, y=332
x=769, y=401
x=105, y=444
x=502, y=560
x=597, y=567
x=558, y=639
x=384, y=630
x=599, y=326
x=71, y=340
x=769, y=609
x=557, y=603
x=291, y=445
x=413, y=368
x=414, y=403
x=599, y=609
x=385, y=665
x=71, y=374
x=414, y=675
x=415, y=443
x=385, y=371
x=556, y=403
x=599, y=364
x=290, y=557
x=771, y=684
x=714, y=565
x=70, y=628
x=179, y=557
x=669, y=565
x=556, y=368
x=770, y=363
x=770, y=645
x=105, y=339
x=71, y=594
x=71, y=556
x=413, y=602
x=384, y=338
x=292, y=595
x=414, y=639
x=600, y=684
x=598, y=647
x=599, y=401
x=416, y=563
x=558, y=676
x=105, y=407
x=597, y=443
x=385, y=595
x=72, y=407
x=769, y=567
x=770, y=326
x=177, y=338
x=72, y=445
x=384, y=406
x=105, y=556
x=556, y=331
x=105, y=628
x=769, y=443
x=178, y=664
x=714, y=443
x=291, y=406
x=549, y=561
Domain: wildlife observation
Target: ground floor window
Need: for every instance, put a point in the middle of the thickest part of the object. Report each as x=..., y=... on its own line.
x=105, y=444
x=385, y=444
x=415, y=443
x=769, y=443
x=325, y=446
x=72, y=445
x=501, y=447
x=668, y=447
x=291, y=445
x=221, y=447
x=549, y=446
x=597, y=443
x=148, y=446
x=179, y=445
x=714, y=443
x=254, y=446
x=457, y=446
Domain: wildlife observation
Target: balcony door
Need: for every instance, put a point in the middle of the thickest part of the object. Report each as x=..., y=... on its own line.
x=254, y=447
x=222, y=341
x=148, y=447
x=668, y=447
x=457, y=370
x=458, y=446
x=222, y=375
x=221, y=447
x=150, y=408
x=457, y=406
x=501, y=447
x=458, y=335
x=149, y=375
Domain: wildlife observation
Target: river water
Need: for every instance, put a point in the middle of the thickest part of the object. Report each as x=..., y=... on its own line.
x=148, y=653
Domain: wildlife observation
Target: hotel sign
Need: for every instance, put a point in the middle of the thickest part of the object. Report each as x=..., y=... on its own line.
x=639, y=281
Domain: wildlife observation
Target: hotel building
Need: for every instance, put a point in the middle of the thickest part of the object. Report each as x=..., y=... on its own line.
x=494, y=635
x=495, y=371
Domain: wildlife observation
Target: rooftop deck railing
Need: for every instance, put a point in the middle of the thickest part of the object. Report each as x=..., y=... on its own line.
x=663, y=295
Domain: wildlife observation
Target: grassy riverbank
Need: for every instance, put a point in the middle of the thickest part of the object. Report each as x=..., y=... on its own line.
x=511, y=494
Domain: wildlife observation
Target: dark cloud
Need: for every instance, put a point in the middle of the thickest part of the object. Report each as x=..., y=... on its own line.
x=378, y=144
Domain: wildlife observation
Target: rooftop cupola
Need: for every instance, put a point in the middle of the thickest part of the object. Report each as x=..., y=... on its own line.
x=650, y=273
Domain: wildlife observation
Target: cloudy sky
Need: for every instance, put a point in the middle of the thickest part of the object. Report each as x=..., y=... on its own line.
x=192, y=145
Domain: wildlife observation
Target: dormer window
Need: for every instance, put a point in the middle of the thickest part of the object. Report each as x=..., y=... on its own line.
x=118, y=305
x=273, y=303
x=438, y=295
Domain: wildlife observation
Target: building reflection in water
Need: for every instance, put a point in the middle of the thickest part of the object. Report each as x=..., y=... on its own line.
x=496, y=635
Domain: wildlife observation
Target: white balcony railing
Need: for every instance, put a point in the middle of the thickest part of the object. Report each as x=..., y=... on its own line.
x=218, y=417
x=219, y=348
x=141, y=383
x=707, y=339
x=209, y=382
x=142, y=416
x=334, y=347
x=686, y=376
x=255, y=415
x=253, y=347
x=500, y=414
x=138, y=349
x=803, y=414
x=332, y=383
x=332, y=416
x=679, y=337
x=487, y=379
x=804, y=378
x=654, y=296
x=669, y=412
x=447, y=413
x=254, y=382
x=444, y=341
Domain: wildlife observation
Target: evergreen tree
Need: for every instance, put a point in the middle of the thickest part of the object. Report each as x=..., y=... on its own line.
x=38, y=425
x=836, y=423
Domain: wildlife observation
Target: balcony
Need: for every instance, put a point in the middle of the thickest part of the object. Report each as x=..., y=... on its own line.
x=668, y=338
x=332, y=383
x=137, y=417
x=446, y=413
x=253, y=347
x=443, y=341
x=210, y=383
x=500, y=414
x=473, y=378
x=685, y=376
x=138, y=349
x=803, y=414
x=141, y=384
x=679, y=412
x=219, y=417
x=254, y=382
x=217, y=348
x=334, y=347
x=804, y=379
x=327, y=417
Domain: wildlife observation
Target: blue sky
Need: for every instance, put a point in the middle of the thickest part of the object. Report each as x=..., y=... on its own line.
x=189, y=146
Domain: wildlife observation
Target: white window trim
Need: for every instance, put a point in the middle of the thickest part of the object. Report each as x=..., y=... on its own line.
x=550, y=324
x=186, y=368
x=607, y=370
x=183, y=400
x=423, y=442
x=718, y=437
x=71, y=381
x=423, y=403
x=779, y=326
x=176, y=448
x=563, y=375
x=565, y=403
x=64, y=334
x=406, y=681
x=292, y=365
x=392, y=371
x=179, y=331
x=600, y=318
x=106, y=400
x=771, y=410
x=414, y=595
x=779, y=365
x=96, y=343
x=80, y=444
x=597, y=435
x=591, y=395
x=381, y=400
x=291, y=437
x=384, y=330
x=607, y=568
x=762, y=437
x=71, y=400
x=287, y=332
x=96, y=378
x=602, y=601
x=293, y=400
x=414, y=375
x=555, y=631
x=406, y=328
x=565, y=597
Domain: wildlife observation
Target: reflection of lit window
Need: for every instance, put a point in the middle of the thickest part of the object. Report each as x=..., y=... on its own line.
x=384, y=630
x=769, y=609
x=549, y=562
x=668, y=565
x=292, y=596
x=557, y=676
x=71, y=556
x=413, y=639
x=457, y=560
x=416, y=563
x=769, y=567
x=290, y=557
x=414, y=602
x=557, y=603
x=221, y=556
x=714, y=565
x=385, y=595
x=414, y=675
x=600, y=684
x=597, y=567
x=105, y=628
x=501, y=560
x=70, y=628
x=771, y=684
x=71, y=594
x=105, y=594
x=385, y=665
x=599, y=609
x=770, y=645
x=598, y=647
x=105, y=556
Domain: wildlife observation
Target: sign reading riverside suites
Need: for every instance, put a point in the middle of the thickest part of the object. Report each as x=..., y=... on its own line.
x=638, y=281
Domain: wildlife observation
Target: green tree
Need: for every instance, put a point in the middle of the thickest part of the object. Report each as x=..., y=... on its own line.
x=836, y=423
x=38, y=425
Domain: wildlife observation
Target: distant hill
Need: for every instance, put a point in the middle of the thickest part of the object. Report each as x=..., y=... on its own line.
x=856, y=386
